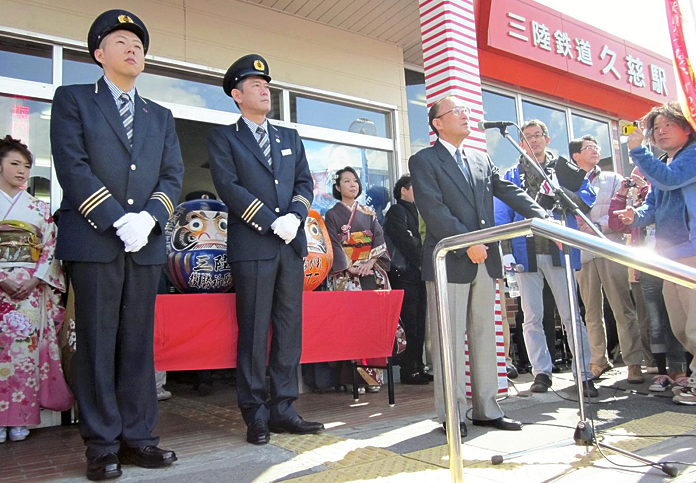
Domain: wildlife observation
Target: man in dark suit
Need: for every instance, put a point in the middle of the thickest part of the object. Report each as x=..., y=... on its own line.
x=118, y=161
x=261, y=173
x=454, y=189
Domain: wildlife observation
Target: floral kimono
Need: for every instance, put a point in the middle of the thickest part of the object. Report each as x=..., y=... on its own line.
x=30, y=371
x=357, y=238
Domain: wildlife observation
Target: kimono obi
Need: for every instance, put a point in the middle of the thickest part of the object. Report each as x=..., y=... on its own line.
x=19, y=242
x=358, y=245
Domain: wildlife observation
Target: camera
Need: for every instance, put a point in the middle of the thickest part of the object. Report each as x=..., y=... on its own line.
x=629, y=128
x=629, y=183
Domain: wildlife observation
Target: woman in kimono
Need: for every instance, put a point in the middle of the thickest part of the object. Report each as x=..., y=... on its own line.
x=360, y=260
x=30, y=310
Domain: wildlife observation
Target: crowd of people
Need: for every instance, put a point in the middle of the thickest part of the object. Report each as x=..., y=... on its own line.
x=118, y=160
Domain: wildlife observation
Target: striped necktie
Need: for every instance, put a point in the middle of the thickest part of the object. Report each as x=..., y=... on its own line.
x=127, y=116
x=265, y=145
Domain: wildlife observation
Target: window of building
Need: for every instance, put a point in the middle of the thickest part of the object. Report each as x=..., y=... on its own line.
x=334, y=115
x=360, y=131
x=418, y=128
x=583, y=125
x=556, y=122
x=29, y=121
x=500, y=107
x=165, y=85
x=26, y=60
x=372, y=166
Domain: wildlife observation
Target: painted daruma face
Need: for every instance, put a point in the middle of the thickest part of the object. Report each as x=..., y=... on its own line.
x=201, y=230
x=196, y=238
x=319, y=252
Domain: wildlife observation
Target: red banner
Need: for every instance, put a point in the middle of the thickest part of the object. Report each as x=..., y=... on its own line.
x=682, y=66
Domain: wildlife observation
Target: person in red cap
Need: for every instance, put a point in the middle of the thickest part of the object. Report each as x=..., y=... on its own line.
x=118, y=161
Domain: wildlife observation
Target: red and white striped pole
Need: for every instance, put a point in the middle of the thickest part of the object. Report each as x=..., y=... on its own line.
x=450, y=58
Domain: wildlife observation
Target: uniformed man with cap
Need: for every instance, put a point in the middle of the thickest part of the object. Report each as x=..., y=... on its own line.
x=118, y=161
x=261, y=173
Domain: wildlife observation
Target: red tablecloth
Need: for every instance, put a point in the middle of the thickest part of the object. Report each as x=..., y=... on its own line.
x=199, y=331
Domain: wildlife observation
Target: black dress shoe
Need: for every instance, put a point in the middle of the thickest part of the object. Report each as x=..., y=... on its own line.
x=462, y=429
x=503, y=423
x=414, y=378
x=146, y=456
x=296, y=425
x=426, y=375
x=257, y=432
x=103, y=467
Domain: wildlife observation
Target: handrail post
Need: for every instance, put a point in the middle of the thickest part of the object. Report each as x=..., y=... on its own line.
x=454, y=436
x=631, y=257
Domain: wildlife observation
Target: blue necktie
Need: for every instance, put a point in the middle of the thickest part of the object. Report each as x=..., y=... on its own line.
x=462, y=165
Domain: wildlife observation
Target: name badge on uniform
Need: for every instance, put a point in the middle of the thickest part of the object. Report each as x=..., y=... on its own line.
x=286, y=152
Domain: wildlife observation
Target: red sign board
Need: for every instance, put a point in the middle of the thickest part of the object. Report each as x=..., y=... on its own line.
x=545, y=36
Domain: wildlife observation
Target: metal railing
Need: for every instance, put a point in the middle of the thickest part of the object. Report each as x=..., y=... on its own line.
x=644, y=260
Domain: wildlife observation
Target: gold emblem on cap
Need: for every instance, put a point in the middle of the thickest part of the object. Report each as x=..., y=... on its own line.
x=125, y=19
x=258, y=65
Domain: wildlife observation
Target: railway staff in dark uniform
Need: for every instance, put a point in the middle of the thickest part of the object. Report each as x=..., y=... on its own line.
x=261, y=173
x=118, y=161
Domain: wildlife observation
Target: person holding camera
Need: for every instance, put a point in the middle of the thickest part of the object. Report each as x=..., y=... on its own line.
x=671, y=205
x=406, y=250
x=599, y=274
x=667, y=351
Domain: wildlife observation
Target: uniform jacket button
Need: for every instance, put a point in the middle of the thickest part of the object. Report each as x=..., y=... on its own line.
x=277, y=210
x=483, y=222
x=259, y=228
x=276, y=181
x=132, y=167
x=130, y=201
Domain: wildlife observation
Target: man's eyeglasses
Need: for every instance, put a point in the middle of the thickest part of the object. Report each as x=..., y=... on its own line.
x=457, y=111
x=591, y=147
x=534, y=136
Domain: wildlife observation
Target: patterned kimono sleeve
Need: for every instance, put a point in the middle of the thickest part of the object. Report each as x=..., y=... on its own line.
x=333, y=226
x=48, y=268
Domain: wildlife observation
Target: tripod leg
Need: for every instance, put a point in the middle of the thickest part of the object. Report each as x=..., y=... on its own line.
x=666, y=468
x=499, y=458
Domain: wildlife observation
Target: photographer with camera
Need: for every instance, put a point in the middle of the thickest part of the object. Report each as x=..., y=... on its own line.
x=599, y=274
x=667, y=351
x=671, y=205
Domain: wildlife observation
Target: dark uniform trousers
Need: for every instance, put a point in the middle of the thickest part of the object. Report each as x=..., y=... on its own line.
x=269, y=290
x=268, y=273
x=114, y=314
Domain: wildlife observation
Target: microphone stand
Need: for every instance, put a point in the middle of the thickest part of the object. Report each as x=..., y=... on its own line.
x=584, y=434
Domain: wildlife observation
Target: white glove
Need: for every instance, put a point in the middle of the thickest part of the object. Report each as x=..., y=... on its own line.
x=135, y=247
x=286, y=227
x=133, y=229
x=509, y=261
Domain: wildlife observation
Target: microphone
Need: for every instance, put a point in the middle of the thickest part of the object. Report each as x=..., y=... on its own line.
x=483, y=125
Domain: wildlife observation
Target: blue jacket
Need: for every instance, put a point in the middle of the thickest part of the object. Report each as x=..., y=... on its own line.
x=520, y=249
x=671, y=203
